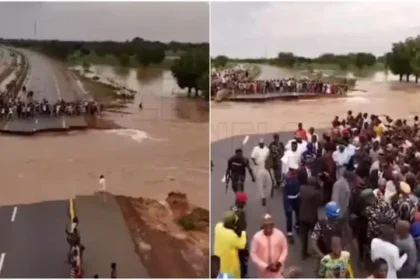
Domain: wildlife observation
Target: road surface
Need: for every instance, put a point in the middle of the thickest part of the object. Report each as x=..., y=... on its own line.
x=46, y=82
x=220, y=201
x=33, y=242
x=107, y=239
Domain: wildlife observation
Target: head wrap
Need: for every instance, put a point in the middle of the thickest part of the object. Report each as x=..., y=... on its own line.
x=241, y=197
x=229, y=217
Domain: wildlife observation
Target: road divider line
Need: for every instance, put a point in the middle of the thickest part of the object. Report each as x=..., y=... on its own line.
x=2, y=256
x=14, y=214
x=224, y=179
x=245, y=140
x=71, y=210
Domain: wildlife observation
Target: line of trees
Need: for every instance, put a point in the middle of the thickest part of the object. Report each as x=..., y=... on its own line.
x=145, y=52
x=404, y=58
x=190, y=67
x=287, y=59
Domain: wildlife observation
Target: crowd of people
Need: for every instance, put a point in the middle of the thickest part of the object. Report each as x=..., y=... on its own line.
x=237, y=81
x=364, y=174
x=75, y=254
x=16, y=107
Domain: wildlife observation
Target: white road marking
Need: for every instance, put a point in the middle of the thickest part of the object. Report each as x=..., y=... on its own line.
x=224, y=179
x=14, y=214
x=2, y=256
x=56, y=86
x=245, y=140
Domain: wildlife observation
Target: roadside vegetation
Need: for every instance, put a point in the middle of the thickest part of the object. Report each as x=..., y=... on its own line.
x=404, y=59
x=188, y=62
x=351, y=62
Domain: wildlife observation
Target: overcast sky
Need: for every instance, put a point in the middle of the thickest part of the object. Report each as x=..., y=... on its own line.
x=263, y=29
x=184, y=22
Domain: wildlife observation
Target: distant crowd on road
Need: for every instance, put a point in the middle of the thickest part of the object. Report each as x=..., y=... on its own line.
x=15, y=107
x=364, y=174
x=239, y=83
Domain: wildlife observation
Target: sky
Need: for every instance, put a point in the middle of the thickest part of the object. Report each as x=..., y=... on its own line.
x=119, y=21
x=263, y=29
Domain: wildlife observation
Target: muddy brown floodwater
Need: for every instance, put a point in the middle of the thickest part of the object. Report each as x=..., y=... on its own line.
x=379, y=94
x=162, y=149
x=157, y=153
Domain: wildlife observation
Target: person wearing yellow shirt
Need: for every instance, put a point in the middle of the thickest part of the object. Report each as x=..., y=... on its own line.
x=227, y=243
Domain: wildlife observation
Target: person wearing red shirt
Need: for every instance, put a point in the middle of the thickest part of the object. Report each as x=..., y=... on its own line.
x=302, y=132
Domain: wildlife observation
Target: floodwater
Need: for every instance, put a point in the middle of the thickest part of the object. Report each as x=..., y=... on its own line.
x=378, y=93
x=157, y=152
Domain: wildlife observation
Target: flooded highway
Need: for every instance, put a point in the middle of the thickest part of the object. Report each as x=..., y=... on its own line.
x=158, y=151
x=378, y=93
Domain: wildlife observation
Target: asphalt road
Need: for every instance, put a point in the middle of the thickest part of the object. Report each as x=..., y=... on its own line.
x=221, y=201
x=43, y=81
x=221, y=151
x=32, y=240
x=107, y=239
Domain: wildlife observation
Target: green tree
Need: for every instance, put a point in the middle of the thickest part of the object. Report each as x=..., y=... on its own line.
x=399, y=61
x=286, y=59
x=124, y=59
x=142, y=57
x=220, y=61
x=190, y=68
x=343, y=61
x=413, y=48
x=157, y=55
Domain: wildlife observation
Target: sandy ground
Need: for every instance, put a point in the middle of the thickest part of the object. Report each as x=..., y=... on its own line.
x=376, y=95
x=171, y=236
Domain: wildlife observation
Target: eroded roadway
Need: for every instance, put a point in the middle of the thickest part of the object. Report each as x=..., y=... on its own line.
x=221, y=201
x=46, y=81
x=33, y=242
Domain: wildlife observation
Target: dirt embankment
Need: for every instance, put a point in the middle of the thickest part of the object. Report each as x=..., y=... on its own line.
x=171, y=236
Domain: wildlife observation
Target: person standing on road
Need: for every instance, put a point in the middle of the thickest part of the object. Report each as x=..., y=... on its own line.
x=341, y=193
x=276, y=153
x=113, y=270
x=260, y=156
x=336, y=263
x=241, y=225
x=310, y=201
x=384, y=247
x=102, y=188
x=325, y=229
x=291, y=200
x=227, y=243
x=236, y=171
x=405, y=243
x=302, y=133
x=269, y=250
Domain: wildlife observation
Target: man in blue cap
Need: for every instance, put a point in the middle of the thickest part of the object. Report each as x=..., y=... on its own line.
x=325, y=229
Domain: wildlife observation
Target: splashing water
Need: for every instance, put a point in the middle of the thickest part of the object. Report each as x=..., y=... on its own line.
x=134, y=134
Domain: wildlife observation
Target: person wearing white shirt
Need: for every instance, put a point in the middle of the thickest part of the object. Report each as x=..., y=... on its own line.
x=259, y=156
x=340, y=158
x=301, y=144
x=102, y=188
x=291, y=157
x=310, y=134
x=384, y=248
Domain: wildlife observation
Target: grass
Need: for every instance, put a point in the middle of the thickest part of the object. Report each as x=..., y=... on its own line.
x=187, y=224
x=102, y=93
